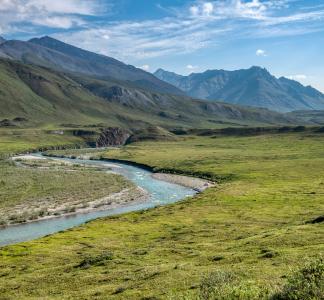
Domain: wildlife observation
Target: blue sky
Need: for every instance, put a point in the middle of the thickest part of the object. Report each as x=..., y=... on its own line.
x=285, y=36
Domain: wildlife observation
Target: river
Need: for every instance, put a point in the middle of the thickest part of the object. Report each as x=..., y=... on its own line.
x=160, y=193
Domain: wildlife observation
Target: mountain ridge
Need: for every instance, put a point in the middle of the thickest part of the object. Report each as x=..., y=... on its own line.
x=49, y=52
x=254, y=87
x=43, y=96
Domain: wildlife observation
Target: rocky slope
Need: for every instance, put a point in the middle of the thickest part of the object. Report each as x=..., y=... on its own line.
x=254, y=87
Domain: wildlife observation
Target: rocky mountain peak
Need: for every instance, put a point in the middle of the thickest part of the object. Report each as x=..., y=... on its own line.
x=255, y=86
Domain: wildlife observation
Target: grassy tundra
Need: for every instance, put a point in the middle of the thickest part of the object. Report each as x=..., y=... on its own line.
x=45, y=188
x=13, y=141
x=241, y=239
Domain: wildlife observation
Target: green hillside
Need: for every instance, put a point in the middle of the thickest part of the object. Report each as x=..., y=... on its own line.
x=52, y=53
x=45, y=97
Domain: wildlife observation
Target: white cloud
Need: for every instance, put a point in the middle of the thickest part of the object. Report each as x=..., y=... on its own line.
x=208, y=8
x=65, y=14
x=191, y=67
x=297, y=77
x=261, y=52
x=80, y=7
x=199, y=25
x=58, y=22
x=145, y=67
x=153, y=38
x=195, y=26
x=229, y=9
x=194, y=10
x=205, y=9
x=263, y=11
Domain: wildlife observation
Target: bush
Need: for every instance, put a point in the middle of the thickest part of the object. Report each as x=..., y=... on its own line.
x=306, y=284
x=226, y=286
x=215, y=285
x=97, y=260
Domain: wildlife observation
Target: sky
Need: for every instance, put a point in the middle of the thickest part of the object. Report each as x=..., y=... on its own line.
x=284, y=36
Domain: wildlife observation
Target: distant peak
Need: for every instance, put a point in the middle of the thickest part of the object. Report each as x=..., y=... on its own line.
x=259, y=71
x=162, y=71
x=255, y=68
x=258, y=68
x=2, y=40
x=45, y=40
x=46, y=37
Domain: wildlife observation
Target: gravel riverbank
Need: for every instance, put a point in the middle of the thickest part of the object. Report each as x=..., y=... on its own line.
x=191, y=182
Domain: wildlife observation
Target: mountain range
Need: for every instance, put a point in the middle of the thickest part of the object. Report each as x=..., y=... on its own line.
x=52, y=53
x=44, y=97
x=46, y=82
x=254, y=87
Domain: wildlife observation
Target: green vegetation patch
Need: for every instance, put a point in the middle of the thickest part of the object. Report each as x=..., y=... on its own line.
x=13, y=141
x=42, y=188
x=241, y=238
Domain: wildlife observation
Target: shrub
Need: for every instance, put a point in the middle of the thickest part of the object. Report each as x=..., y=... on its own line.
x=306, y=284
x=97, y=260
x=226, y=286
x=215, y=284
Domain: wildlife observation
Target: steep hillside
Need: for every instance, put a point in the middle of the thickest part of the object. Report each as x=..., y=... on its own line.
x=55, y=54
x=252, y=87
x=43, y=96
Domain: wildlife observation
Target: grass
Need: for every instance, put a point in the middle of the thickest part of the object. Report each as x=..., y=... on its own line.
x=77, y=153
x=243, y=237
x=307, y=283
x=47, y=188
x=15, y=141
x=44, y=188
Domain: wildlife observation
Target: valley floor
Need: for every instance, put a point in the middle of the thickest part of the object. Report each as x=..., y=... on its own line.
x=237, y=240
x=38, y=188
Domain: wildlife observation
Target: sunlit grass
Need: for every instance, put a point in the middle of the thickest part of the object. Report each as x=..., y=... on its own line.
x=253, y=226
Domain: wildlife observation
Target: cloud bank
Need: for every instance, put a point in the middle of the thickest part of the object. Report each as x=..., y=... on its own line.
x=199, y=25
x=26, y=15
x=194, y=26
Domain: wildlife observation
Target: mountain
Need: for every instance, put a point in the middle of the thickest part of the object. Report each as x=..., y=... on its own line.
x=254, y=87
x=171, y=77
x=2, y=40
x=45, y=97
x=49, y=52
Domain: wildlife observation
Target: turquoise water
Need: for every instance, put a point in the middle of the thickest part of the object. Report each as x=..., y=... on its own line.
x=160, y=192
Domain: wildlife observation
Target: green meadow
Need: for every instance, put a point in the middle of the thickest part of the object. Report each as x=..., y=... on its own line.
x=14, y=141
x=252, y=236
x=45, y=188
x=30, y=190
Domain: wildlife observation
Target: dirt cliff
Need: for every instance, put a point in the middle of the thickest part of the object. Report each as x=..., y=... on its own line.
x=113, y=136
